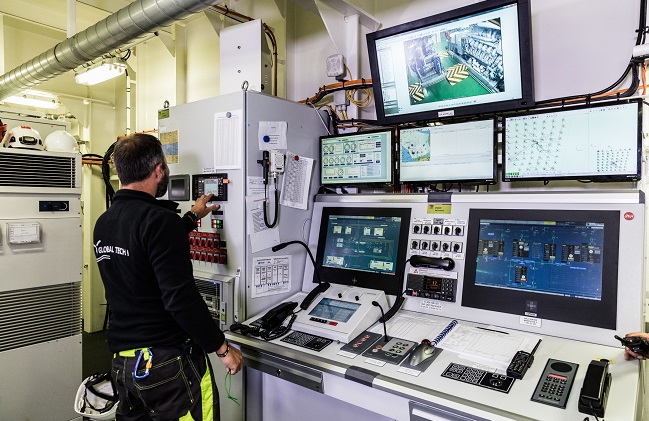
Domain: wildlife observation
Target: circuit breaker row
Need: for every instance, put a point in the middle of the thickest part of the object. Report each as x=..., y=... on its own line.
x=437, y=236
x=207, y=247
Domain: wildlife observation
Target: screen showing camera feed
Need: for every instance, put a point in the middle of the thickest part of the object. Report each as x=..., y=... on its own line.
x=471, y=60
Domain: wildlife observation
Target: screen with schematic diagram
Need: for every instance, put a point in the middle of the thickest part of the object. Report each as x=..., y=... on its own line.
x=595, y=142
x=554, y=264
x=363, y=246
x=357, y=159
x=458, y=152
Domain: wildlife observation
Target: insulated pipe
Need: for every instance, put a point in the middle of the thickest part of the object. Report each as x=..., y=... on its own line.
x=117, y=30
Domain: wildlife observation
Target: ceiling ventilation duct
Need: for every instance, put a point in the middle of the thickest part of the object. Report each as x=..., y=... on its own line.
x=117, y=30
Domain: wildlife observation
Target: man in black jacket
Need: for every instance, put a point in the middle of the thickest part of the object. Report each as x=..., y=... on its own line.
x=160, y=328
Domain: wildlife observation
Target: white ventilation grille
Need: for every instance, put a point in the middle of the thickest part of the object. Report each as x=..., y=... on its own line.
x=211, y=293
x=30, y=170
x=36, y=315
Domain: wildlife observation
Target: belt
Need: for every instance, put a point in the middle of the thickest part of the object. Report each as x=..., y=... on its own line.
x=133, y=353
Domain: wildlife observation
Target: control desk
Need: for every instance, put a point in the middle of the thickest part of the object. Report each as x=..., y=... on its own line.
x=563, y=271
x=293, y=373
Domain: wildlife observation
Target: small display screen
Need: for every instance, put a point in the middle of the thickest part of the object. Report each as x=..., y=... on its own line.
x=336, y=310
x=358, y=158
x=211, y=186
x=449, y=153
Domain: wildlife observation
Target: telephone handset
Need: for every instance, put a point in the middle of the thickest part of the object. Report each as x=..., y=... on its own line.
x=276, y=315
x=594, y=392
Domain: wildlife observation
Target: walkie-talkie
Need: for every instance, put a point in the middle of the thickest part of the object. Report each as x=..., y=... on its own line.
x=521, y=362
x=636, y=344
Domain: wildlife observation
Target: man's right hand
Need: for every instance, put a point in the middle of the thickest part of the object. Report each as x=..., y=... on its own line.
x=233, y=361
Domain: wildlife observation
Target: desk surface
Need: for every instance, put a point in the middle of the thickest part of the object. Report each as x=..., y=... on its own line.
x=429, y=387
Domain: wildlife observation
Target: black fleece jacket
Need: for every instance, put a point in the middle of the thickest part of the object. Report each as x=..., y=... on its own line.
x=142, y=251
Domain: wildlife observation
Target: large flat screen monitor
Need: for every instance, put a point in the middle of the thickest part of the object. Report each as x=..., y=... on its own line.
x=595, y=143
x=362, y=158
x=559, y=265
x=471, y=60
x=363, y=247
x=449, y=153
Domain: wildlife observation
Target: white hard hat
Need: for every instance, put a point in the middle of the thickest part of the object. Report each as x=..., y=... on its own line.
x=60, y=141
x=97, y=398
x=23, y=137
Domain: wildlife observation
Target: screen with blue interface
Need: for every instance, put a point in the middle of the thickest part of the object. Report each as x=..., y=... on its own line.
x=357, y=158
x=552, y=257
x=339, y=311
x=599, y=143
x=544, y=263
x=363, y=246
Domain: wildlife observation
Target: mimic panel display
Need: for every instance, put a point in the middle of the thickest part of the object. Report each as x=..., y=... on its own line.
x=599, y=143
x=558, y=265
x=364, y=247
x=358, y=158
x=465, y=61
x=458, y=152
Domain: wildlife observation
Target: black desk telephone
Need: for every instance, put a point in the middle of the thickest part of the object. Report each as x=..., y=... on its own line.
x=276, y=315
x=594, y=392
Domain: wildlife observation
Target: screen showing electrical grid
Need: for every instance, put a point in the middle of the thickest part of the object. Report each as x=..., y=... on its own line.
x=550, y=257
x=449, y=153
x=460, y=62
x=363, y=243
x=339, y=311
x=359, y=158
x=587, y=143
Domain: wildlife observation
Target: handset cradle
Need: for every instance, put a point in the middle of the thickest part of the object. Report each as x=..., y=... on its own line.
x=594, y=392
x=276, y=315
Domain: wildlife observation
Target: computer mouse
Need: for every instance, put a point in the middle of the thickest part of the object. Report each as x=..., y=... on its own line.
x=421, y=353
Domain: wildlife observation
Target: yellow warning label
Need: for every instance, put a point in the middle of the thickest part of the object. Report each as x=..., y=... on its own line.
x=439, y=208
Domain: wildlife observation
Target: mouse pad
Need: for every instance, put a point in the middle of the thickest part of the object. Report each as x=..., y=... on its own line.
x=424, y=365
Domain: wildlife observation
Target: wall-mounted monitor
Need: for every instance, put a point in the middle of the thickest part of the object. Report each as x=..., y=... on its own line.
x=364, y=247
x=361, y=158
x=596, y=143
x=449, y=153
x=471, y=60
x=559, y=265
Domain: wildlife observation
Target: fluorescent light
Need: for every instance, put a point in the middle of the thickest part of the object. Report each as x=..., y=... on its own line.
x=99, y=73
x=33, y=98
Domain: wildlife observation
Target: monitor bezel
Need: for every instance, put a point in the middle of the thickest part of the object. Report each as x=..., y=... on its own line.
x=595, y=178
x=390, y=161
x=391, y=284
x=525, y=53
x=470, y=181
x=572, y=310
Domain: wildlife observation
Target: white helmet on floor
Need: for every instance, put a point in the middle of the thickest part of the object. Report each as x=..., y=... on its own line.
x=61, y=141
x=97, y=398
x=23, y=137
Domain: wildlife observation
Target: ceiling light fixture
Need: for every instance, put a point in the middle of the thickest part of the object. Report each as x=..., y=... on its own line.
x=33, y=98
x=100, y=72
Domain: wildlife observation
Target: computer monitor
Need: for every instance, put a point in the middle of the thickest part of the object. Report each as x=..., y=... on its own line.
x=595, y=143
x=449, y=153
x=362, y=158
x=363, y=247
x=559, y=265
x=470, y=60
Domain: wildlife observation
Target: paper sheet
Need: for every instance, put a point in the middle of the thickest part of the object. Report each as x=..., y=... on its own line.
x=255, y=186
x=272, y=135
x=271, y=275
x=261, y=237
x=412, y=328
x=493, y=346
x=227, y=140
x=296, y=181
